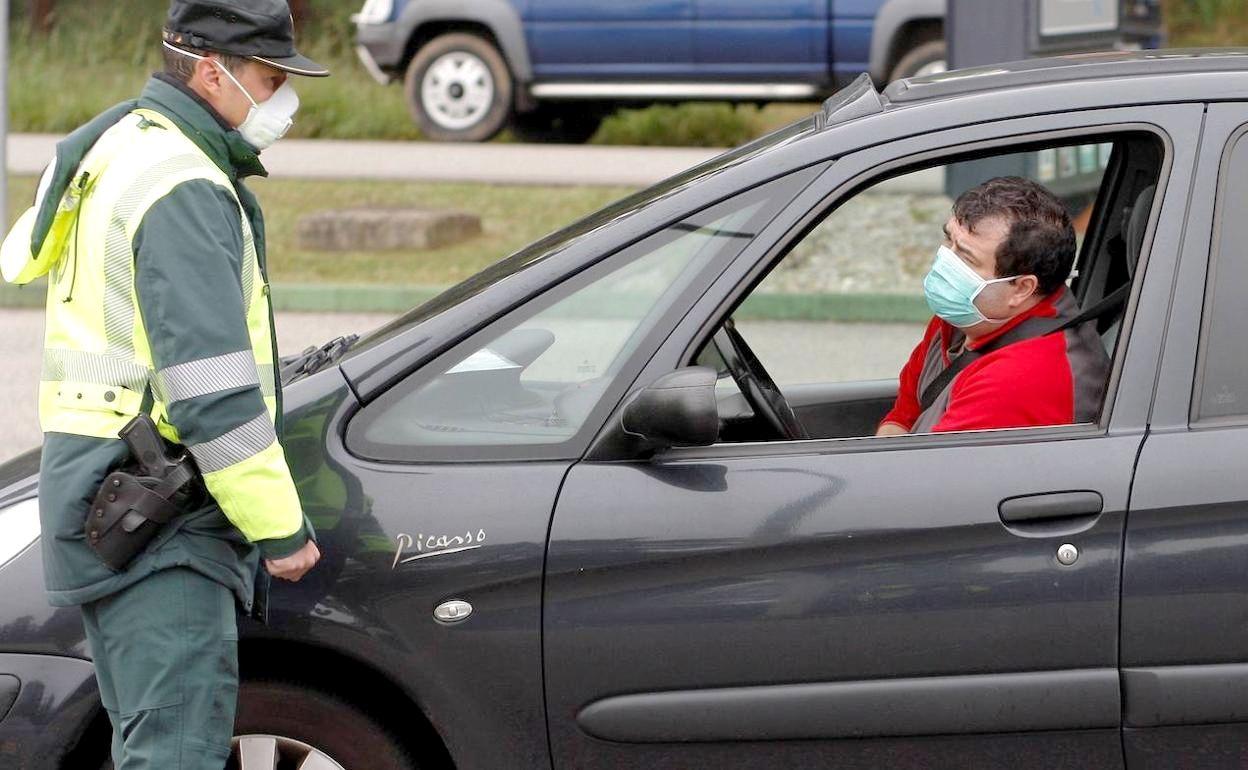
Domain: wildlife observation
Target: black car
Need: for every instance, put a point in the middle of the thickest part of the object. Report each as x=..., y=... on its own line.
x=615, y=501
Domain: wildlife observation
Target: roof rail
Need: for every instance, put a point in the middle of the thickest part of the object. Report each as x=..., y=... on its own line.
x=1066, y=68
x=856, y=100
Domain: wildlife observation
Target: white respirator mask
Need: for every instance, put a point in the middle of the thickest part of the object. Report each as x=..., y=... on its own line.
x=266, y=122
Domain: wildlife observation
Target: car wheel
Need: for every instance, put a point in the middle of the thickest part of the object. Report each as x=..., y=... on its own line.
x=929, y=58
x=571, y=123
x=459, y=89
x=281, y=725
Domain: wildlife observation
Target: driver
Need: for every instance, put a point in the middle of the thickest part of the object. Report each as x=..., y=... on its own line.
x=1008, y=249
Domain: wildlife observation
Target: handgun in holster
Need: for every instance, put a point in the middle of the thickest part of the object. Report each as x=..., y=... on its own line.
x=135, y=502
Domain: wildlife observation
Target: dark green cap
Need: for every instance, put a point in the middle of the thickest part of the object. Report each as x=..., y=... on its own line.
x=262, y=30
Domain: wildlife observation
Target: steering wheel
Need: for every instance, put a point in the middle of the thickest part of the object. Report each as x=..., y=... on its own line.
x=756, y=384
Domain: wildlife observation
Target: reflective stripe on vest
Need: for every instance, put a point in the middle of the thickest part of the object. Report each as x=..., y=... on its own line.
x=119, y=305
x=212, y=375
x=95, y=337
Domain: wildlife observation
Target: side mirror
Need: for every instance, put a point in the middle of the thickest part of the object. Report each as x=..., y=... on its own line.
x=678, y=409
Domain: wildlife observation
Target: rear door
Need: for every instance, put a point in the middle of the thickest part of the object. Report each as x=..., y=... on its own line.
x=859, y=602
x=777, y=40
x=1185, y=577
x=620, y=39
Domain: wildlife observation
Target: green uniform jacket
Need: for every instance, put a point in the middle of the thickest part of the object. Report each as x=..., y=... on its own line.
x=188, y=260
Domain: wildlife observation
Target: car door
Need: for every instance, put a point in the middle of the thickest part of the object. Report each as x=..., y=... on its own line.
x=455, y=466
x=1185, y=576
x=772, y=41
x=859, y=602
x=573, y=40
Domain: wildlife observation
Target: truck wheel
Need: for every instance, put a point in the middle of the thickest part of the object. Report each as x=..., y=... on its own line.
x=928, y=58
x=282, y=725
x=459, y=89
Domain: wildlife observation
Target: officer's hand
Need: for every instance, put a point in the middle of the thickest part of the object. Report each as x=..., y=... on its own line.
x=296, y=565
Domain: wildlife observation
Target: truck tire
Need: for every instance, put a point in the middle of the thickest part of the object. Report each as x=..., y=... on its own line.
x=924, y=59
x=459, y=89
x=298, y=725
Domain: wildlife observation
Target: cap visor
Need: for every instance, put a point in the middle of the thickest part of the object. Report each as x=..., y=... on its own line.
x=295, y=65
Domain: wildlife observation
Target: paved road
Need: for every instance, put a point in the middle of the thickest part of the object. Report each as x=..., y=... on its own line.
x=428, y=162
x=538, y=164
x=794, y=352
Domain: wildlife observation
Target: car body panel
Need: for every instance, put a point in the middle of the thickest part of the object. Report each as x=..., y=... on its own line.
x=56, y=702
x=763, y=573
x=1184, y=658
x=742, y=40
x=569, y=39
x=394, y=538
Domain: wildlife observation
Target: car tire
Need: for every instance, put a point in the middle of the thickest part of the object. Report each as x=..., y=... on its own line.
x=924, y=59
x=459, y=89
x=568, y=123
x=298, y=720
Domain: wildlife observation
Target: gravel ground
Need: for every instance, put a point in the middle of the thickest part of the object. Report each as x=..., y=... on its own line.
x=876, y=243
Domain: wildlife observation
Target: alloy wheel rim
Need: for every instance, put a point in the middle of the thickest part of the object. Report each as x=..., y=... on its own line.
x=457, y=90
x=269, y=752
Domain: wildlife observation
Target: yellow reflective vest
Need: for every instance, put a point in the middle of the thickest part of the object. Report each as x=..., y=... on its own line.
x=193, y=348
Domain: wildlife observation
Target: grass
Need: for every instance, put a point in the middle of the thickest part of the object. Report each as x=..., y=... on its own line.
x=696, y=124
x=512, y=217
x=100, y=52
x=1202, y=23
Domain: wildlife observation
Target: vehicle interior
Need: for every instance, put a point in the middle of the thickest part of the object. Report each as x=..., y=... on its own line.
x=784, y=373
x=532, y=380
x=1109, y=184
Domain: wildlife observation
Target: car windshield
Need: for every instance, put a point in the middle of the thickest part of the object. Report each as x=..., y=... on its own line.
x=558, y=241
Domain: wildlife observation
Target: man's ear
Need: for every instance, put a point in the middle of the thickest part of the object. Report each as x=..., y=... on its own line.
x=1024, y=287
x=208, y=75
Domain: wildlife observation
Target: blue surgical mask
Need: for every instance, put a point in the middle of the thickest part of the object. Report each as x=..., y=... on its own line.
x=951, y=287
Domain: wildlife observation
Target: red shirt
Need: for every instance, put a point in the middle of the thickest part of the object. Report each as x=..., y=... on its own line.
x=1057, y=379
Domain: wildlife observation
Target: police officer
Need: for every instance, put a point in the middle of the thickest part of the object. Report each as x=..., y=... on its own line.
x=158, y=304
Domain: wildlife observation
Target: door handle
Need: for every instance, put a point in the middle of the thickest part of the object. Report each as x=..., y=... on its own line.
x=1053, y=505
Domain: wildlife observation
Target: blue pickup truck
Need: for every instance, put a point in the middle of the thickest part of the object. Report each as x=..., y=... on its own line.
x=553, y=68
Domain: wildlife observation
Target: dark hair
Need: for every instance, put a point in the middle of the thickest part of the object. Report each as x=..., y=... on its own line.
x=1041, y=238
x=182, y=67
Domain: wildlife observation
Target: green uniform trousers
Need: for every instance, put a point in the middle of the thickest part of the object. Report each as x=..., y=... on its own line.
x=166, y=659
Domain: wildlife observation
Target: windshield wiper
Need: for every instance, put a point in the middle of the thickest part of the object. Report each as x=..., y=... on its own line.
x=314, y=359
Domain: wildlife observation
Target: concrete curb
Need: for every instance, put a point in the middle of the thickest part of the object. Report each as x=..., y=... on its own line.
x=313, y=298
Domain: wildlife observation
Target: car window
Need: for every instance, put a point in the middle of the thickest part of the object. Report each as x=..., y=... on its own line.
x=533, y=379
x=1222, y=387
x=555, y=243
x=839, y=315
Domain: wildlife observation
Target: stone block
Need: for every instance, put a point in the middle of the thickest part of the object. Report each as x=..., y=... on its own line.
x=380, y=229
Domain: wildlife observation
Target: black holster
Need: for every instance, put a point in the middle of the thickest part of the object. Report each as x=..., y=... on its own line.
x=135, y=503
